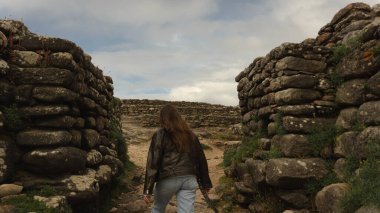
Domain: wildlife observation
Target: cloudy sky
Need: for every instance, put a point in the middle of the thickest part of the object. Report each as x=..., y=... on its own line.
x=175, y=49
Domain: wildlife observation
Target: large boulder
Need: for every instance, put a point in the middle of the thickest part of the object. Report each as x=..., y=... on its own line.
x=257, y=170
x=49, y=76
x=344, y=145
x=294, y=173
x=55, y=160
x=91, y=138
x=37, y=137
x=369, y=113
x=26, y=58
x=368, y=135
x=327, y=200
x=296, y=96
x=294, y=63
x=303, y=125
x=54, y=94
x=44, y=110
x=347, y=118
x=63, y=121
x=292, y=145
x=351, y=92
x=10, y=189
x=81, y=188
x=94, y=157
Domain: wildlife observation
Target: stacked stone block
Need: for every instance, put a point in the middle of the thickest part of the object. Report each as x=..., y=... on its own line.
x=197, y=114
x=66, y=104
x=290, y=94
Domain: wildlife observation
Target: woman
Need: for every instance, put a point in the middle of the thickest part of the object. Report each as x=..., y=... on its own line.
x=176, y=163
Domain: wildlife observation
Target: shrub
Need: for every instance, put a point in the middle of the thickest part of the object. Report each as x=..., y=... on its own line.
x=122, y=148
x=247, y=147
x=26, y=203
x=228, y=155
x=13, y=119
x=336, y=79
x=278, y=124
x=365, y=187
x=343, y=50
x=323, y=136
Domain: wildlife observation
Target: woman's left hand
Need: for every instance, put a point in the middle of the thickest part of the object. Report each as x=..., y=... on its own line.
x=148, y=199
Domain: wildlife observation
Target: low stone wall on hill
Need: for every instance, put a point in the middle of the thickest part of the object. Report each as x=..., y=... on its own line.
x=308, y=108
x=57, y=110
x=197, y=114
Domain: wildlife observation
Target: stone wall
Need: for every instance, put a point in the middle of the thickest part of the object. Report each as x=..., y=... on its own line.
x=57, y=109
x=197, y=114
x=326, y=87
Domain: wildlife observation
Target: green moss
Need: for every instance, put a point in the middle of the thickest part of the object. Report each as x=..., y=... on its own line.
x=343, y=50
x=323, y=136
x=205, y=146
x=26, y=203
x=336, y=79
x=278, y=124
x=13, y=120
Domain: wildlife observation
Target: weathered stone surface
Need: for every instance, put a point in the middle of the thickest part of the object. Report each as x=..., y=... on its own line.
x=301, y=64
x=351, y=92
x=327, y=200
x=296, y=198
x=297, y=211
x=292, y=145
x=296, y=96
x=49, y=76
x=55, y=161
x=37, y=137
x=43, y=110
x=103, y=174
x=305, y=109
x=339, y=168
x=81, y=188
x=242, y=83
x=302, y=125
x=10, y=189
x=257, y=170
x=369, y=113
x=293, y=173
x=54, y=94
x=347, y=118
x=115, y=164
x=76, y=139
x=354, y=66
x=57, y=122
x=373, y=84
x=344, y=144
x=26, y=58
x=107, y=151
x=368, y=209
x=241, y=170
x=294, y=81
x=368, y=135
x=94, y=157
x=242, y=189
x=9, y=156
x=90, y=138
x=6, y=92
x=53, y=202
x=8, y=209
x=4, y=67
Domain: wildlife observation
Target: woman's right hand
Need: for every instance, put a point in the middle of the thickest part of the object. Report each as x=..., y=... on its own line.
x=148, y=199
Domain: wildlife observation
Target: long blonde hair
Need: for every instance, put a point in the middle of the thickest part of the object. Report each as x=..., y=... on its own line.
x=179, y=130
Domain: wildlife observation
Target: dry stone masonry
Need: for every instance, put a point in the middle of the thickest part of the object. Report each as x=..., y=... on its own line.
x=197, y=114
x=56, y=114
x=326, y=87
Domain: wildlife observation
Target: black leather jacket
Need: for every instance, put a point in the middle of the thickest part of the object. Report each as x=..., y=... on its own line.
x=165, y=161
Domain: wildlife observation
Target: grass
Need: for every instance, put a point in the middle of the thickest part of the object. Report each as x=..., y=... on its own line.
x=274, y=153
x=336, y=79
x=365, y=187
x=278, y=124
x=26, y=203
x=122, y=148
x=227, y=194
x=13, y=120
x=343, y=50
x=351, y=165
x=205, y=146
x=228, y=156
x=247, y=148
x=323, y=136
x=45, y=191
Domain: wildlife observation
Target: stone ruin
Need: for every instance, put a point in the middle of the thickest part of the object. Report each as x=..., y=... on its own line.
x=57, y=112
x=197, y=114
x=300, y=90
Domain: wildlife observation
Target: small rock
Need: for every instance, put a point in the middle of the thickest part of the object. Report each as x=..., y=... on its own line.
x=9, y=189
x=114, y=209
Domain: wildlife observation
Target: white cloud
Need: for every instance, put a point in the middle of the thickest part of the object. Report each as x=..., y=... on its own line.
x=207, y=91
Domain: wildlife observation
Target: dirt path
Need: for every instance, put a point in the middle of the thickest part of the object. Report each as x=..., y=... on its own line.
x=138, y=138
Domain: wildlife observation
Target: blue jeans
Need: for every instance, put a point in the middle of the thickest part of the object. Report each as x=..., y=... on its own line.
x=183, y=187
